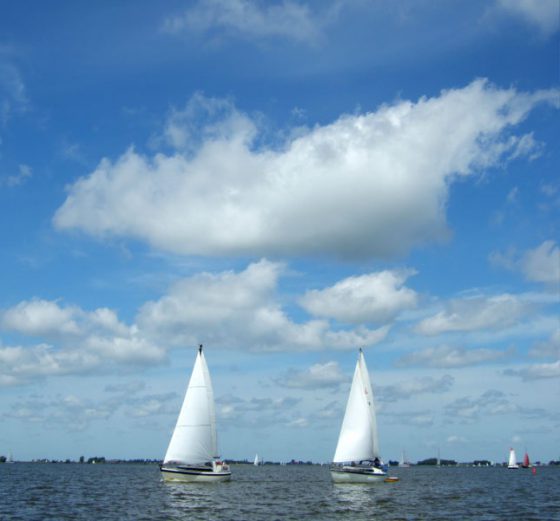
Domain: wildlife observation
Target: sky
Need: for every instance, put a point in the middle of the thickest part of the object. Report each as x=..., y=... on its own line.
x=284, y=182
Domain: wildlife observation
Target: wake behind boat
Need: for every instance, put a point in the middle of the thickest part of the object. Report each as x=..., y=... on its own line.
x=356, y=458
x=192, y=452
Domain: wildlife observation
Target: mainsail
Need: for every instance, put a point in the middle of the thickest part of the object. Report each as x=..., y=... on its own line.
x=512, y=459
x=358, y=436
x=194, y=438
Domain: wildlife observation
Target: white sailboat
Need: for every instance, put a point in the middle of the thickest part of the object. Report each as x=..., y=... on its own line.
x=512, y=463
x=257, y=461
x=192, y=452
x=404, y=462
x=356, y=459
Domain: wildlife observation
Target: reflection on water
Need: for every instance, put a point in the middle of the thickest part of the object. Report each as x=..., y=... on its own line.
x=33, y=492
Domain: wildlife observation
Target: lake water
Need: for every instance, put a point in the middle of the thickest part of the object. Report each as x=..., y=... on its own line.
x=41, y=492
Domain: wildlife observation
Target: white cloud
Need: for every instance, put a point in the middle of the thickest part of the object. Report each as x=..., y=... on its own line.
x=84, y=342
x=375, y=297
x=24, y=172
x=542, y=14
x=318, y=376
x=250, y=20
x=367, y=185
x=241, y=310
x=549, y=348
x=536, y=371
x=413, y=387
x=475, y=313
x=447, y=357
x=40, y=317
x=543, y=263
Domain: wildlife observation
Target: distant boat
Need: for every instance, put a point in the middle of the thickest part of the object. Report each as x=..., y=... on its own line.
x=192, y=452
x=526, y=463
x=257, y=461
x=512, y=463
x=403, y=462
x=10, y=458
x=356, y=459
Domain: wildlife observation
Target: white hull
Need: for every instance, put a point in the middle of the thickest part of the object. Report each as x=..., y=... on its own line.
x=178, y=475
x=513, y=467
x=352, y=475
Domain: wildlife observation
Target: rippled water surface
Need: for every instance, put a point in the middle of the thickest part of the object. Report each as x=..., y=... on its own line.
x=136, y=492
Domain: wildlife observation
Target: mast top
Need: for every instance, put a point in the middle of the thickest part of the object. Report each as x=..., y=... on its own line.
x=200, y=348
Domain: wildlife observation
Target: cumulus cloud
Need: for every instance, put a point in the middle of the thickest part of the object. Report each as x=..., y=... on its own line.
x=549, y=348
x=489, y=403
x=536, y=371
x=475, y=313
x=411, y=388
x=241, y=310
x=448, y=357
x=375, y=297
x=250, y=20
x=544, y=15
x=79, y=341
x=541, y=264
x=365, y=185
x=318, y=376
x=255, y=412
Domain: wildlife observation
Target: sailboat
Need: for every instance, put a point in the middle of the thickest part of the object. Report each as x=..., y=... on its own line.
x=512, y=463
x=403, y=462
x=257, y=461
x=356, y=459
x=526, y=463
x=192, y=452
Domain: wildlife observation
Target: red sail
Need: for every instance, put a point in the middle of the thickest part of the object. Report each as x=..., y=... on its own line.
x=526, y=460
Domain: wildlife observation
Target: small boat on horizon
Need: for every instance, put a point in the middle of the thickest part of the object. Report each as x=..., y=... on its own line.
x=192, y=452
x=512, y=462
x=526, y=462
x=404, y=462
x=257, y=461
x=356, y=459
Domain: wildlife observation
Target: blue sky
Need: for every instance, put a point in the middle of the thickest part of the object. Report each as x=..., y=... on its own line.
x=284, y=182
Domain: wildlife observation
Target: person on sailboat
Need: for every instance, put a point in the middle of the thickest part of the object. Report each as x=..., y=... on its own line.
x=377, y=463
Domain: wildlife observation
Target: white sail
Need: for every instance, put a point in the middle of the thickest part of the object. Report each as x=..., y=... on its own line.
x=257, y=461
x=194, y=438
x=512, y=459
x=358, y=436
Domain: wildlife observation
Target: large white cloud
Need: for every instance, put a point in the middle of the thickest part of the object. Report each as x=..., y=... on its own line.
x=375, y=297
x=373, y=184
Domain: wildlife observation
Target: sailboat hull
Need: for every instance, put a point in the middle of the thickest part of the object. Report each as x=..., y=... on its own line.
x=358, y=475
x=194, y=474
